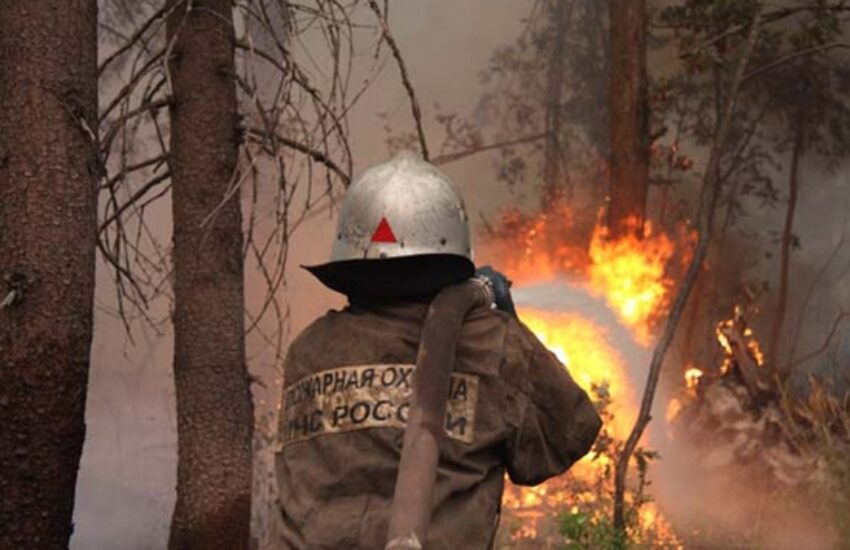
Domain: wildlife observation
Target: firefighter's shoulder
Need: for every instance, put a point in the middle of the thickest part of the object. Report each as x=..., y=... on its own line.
x=521, y=344
x=515, y=341
x=321, y=329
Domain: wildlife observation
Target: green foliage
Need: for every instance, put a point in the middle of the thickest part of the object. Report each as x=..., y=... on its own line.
x=795, y=93
x=589, y=525
x=583, y=531
x=797, y=76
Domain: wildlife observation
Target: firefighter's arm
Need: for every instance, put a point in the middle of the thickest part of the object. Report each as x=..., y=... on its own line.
x=559, y=423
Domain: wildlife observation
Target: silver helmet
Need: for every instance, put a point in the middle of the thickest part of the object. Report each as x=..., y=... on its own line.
x=405, y=210
x=404, y=207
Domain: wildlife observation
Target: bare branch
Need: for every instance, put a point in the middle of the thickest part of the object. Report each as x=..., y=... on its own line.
x=138, y=194
x=130, y=86
x=771, y=17
x=318, y=156
x=458, y=155
x=792, y=56
x=405, y=78
x=155, y=162
x=814, y=353
x=132, y=41
x=146, y=107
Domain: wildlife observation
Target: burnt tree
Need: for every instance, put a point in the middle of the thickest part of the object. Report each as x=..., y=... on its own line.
x=629, y=112
x=48, y=179
x=214, y=406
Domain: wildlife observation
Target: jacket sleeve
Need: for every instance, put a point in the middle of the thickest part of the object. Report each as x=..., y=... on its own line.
x=558, y=423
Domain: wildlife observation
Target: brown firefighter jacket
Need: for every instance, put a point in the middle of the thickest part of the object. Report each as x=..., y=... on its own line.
x=512, y=406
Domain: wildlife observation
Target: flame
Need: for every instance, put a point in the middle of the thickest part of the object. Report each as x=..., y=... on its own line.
x=754, y=347
x=532, y=248
x=692, y=376
x=734, y=332
x=581, y=346
x=630, y=274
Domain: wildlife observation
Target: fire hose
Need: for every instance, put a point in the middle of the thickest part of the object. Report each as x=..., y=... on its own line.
x=410, y=515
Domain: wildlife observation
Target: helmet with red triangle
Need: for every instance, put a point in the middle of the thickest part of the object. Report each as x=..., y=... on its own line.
x=403, y=230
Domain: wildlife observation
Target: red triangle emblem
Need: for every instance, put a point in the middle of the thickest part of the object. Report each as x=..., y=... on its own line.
x=384, y=233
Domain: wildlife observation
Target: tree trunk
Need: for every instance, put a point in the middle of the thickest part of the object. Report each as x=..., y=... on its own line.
x=553, y=153
x=787, y=242
x=214, y=407
x=629, y=112
x=48, y=179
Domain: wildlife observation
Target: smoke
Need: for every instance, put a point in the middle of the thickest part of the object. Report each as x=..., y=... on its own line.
x=731, y=506
x=126, y=485
x=732, y=509
x=125, y=490
x=574, y=297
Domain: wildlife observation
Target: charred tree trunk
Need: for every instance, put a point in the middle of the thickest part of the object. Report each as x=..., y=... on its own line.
x=786, y=245
x=48, y=178
x=214, y=407
x=629, y=111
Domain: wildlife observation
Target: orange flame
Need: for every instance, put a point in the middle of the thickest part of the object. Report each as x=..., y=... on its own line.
x=630, y=274
x=581, y=346
x=692, y=376
x=736, y=329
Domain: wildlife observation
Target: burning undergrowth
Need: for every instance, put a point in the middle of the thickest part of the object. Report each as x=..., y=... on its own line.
x=595, y=302
x=588, y=337
x=760, y=451
x=736, y=444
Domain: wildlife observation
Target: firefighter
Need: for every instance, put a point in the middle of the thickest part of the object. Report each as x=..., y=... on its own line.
x=403, y=235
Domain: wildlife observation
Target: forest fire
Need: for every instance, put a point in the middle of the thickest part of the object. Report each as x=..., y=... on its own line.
x=730, y=332
x=630, y=272
x=580, y=344
x=692, y=376
x=629, y=275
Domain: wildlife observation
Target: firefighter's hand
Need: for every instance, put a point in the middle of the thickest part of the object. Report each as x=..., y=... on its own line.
x=501, y=288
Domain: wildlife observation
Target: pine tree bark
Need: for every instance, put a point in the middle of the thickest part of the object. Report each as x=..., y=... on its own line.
x=629, y=111
x=786, y=245
x=48, y=179
x=214, y=407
